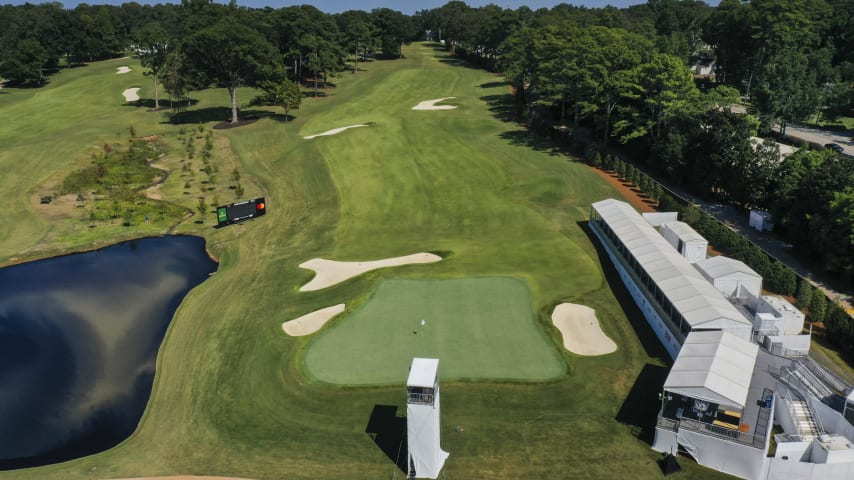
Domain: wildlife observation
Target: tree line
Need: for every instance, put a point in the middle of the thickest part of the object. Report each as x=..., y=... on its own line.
x=199, y=43
x=625, y=76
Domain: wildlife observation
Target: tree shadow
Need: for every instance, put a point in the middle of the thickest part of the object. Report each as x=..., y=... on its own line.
x=311, y=94
x=388, y=431
x=652, y=346
x=640, y=408
x=494, y=84
x=529, y=139
x=164, y=104
x=501, y=105
x=216, y=114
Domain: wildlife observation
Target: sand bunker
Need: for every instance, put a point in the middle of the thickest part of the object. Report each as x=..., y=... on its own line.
x=331, y=272
x=431, y=105
x=131, y=94
x=121, y=70
x=311, y=322
x=335, y=130
x=581, y=331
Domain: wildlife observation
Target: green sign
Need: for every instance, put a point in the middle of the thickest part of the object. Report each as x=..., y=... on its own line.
x=221, y=215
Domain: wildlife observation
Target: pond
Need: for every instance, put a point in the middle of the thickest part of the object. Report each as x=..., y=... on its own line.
x=79, y=336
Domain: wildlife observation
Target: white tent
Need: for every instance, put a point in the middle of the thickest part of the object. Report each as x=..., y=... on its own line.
x=685, y=240
x=699, y=304
x=733, y=278
x=714, y=366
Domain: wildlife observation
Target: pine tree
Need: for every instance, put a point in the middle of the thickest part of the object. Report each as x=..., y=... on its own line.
x=818, y=306
x=621, y=169
x=805, y=294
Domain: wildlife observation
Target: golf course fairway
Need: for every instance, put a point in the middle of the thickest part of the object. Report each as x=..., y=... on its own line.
x=235, y=396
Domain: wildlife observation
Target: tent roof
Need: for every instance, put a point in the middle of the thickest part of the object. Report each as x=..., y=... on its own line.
x=714, y=366
x=684, y=232
x=720, y=266
x=423, y=372
x=699, y=302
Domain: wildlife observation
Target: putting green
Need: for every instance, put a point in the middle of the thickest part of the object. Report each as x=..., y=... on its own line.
x=479, y=328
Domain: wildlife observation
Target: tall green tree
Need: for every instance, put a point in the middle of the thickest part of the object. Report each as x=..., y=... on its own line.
x=357, y=33
x=662, y=90
x=153, y=49
x=230, y=56
x=285, y=94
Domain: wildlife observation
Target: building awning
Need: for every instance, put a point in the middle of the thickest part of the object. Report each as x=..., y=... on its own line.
x=423, y=372
x=714, y=366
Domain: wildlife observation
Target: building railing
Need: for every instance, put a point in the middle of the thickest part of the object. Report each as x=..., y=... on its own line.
x=422, y=398
x=724, y=433
x=667, y=423
x=826, y=376
x=755, y=440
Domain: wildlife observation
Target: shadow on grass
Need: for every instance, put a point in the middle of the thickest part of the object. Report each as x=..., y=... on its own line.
x=494, y=84
x=220, y=114
x=500, y=105
x=526, y=138
x=164, y=104
x=640, y=408
x=388, y=432
x=311, y=94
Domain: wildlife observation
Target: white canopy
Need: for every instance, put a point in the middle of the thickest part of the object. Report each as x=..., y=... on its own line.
x=714, y=366
x=700, y=304
x=423, y=372
x=720, y=266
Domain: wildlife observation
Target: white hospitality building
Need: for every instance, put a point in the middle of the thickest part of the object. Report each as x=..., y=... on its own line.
x=741, y=364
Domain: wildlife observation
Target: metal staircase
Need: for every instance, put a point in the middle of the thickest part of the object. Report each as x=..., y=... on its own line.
x=805, y=422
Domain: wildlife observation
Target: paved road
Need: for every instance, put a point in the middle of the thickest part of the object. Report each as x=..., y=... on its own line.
x=773, y=244
x=822, y=137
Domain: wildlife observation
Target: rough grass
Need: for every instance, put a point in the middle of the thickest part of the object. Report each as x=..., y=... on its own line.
x=479, y=328
x=229, y=397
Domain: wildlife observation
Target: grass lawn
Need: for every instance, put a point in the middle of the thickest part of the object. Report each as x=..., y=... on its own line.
x=479, y=328
x=230, y=396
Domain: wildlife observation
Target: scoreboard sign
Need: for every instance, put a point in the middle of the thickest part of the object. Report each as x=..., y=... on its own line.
x=240, y=211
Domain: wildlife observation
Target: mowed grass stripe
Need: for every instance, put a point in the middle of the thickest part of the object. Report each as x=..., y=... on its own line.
x=479, y=328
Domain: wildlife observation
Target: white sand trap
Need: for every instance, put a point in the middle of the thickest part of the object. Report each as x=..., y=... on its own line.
x=581, y=331
x=121, y=70
x=335, y=130
x=331, y=272
x=131, y=94
x=431, y=105
x=311, y=322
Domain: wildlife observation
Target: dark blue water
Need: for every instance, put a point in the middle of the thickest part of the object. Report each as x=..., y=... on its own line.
x=79, y=336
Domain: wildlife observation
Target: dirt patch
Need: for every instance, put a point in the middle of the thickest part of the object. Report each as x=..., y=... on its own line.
x=636, y=199
x=61, y=207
